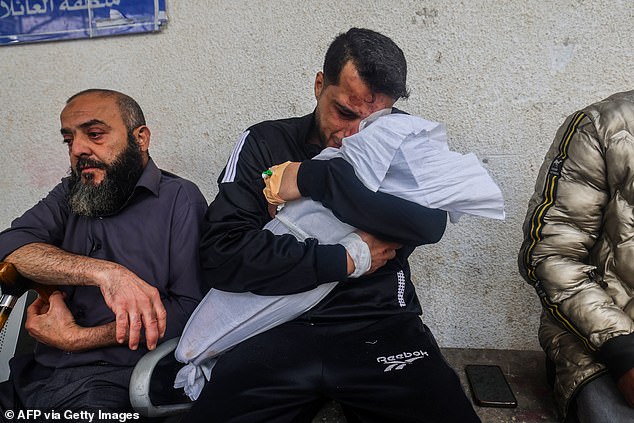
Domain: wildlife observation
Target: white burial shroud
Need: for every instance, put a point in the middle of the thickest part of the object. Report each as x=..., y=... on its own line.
x=398, y=154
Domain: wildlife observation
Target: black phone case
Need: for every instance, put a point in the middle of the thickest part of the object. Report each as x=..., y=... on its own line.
x=489, y=386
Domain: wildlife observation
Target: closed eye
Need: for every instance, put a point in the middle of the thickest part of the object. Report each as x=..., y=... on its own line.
x=346, y=113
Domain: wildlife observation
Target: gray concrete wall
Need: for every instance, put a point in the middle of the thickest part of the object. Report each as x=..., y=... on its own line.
x=501, y=74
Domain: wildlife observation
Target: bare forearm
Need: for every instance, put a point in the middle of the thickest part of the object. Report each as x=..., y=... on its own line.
x=93, y=338
x=51, y=265
x=53, y=324
x=135, y=303
x=85, y=339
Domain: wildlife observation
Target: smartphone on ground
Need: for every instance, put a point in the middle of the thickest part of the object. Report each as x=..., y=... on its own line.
x=489, y=386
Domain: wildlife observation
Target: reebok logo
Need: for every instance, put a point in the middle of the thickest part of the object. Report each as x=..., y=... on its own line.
x=399, y=361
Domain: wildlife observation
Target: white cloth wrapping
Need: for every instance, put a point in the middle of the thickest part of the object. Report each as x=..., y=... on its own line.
x=398, y=154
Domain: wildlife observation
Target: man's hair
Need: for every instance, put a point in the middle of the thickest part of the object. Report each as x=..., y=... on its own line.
x=380, y=62
x=130, y=110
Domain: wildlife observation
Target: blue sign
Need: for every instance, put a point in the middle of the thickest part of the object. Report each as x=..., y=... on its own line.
x=27, y=21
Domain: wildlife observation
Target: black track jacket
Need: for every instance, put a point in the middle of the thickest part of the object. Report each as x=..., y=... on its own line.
x=238, y=256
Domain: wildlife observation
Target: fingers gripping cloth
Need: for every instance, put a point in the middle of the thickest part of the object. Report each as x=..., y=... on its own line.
x=273, y=181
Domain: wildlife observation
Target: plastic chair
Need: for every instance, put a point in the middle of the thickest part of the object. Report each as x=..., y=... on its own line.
x=152, y=393
x=14, y=340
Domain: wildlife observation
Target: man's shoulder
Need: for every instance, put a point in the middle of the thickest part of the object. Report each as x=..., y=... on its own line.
x=61, y=190
x=619, y=103
x=612, y=115
x=293, y=128
x=175, y=184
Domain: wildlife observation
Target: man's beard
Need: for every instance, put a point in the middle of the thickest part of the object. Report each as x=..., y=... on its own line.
x=106, y=198
x=319, y=133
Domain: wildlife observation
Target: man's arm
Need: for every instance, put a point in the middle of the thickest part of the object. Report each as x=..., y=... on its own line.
x=237, y=255
x=180, y=291
x=186, y=287
x=31, y=245
x=334, y=183
x=564, y=220
x=135, y=303
x=52, y=323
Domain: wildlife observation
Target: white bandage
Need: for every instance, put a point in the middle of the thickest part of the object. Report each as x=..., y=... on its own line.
x=359, y=252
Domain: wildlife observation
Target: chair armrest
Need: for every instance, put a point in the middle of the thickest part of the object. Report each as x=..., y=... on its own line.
x=140, y=384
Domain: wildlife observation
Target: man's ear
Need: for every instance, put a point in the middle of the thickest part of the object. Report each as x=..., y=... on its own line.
x=142, y=135
x=319, y=84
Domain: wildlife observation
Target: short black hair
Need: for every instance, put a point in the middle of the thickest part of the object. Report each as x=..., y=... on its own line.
x=380, y=62
x=130, y=110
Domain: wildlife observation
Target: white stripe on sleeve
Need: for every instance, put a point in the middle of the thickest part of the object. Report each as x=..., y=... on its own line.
x=232, y=164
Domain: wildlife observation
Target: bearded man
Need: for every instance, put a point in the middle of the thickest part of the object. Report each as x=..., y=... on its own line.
x=119, y=237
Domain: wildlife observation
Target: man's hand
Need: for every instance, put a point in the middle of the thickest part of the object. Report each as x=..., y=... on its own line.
x=51, y=322
x=133, y=301
x=626, y=386
x=136, y=305
x=288, y=188
x=381, y=251
x=281, y=186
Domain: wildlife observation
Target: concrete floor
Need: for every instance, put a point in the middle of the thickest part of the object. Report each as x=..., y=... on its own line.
x=524, y=371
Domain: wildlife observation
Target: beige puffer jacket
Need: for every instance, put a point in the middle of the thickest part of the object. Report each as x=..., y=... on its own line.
x=578, y=249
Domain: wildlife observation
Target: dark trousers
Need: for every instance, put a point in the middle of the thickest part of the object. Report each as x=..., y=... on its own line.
x=91, y=388
x=387, y=370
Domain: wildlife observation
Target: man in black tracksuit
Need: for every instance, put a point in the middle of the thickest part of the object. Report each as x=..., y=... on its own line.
x=364, y=345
